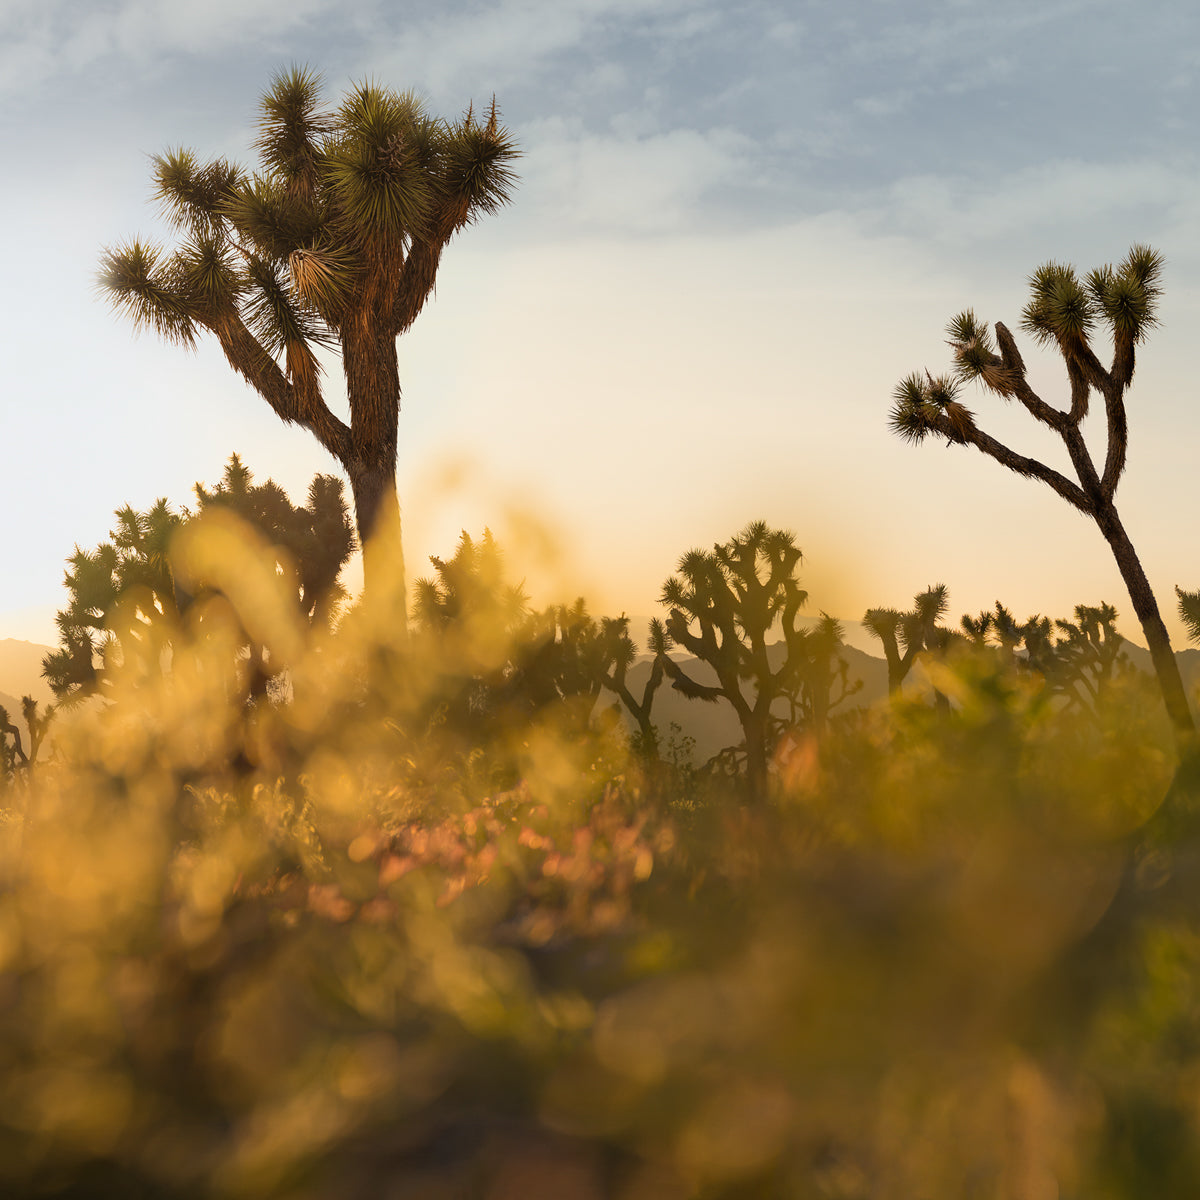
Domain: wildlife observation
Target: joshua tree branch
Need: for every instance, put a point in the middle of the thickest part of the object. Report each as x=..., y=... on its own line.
x=684, y=683
x=1080, y=352
x=417, y=278
x=1123, y=358
x=295, y=405
x=1014, y=367
x=1118, y=440
x=1080, y=392
x=1029, y=467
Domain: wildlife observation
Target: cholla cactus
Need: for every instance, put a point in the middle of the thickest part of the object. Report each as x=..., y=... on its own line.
x=1064, y=312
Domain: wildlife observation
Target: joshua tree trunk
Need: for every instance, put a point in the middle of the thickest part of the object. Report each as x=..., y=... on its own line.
x=1146, y=607
x=754, y=725
x=373, y=388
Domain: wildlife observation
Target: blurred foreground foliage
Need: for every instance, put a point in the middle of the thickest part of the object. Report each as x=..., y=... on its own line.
x=420, y=924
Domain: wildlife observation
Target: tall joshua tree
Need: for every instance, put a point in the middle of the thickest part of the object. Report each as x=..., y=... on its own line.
x=334, y=242
x=1064, y=312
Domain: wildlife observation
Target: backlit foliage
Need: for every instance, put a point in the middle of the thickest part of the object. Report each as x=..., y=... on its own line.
x=126, y=596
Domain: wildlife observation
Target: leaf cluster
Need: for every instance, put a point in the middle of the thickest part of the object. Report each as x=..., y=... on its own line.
x=1064, y=309
x=324, y=226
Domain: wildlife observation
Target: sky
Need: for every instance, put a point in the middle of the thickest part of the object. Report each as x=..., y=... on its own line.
x=737, y=227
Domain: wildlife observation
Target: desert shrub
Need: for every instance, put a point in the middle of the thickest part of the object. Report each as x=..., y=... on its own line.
x=300, y=946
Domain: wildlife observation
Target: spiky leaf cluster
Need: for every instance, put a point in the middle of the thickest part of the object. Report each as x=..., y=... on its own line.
x=1064, y=309
x=740, y=587
x=324, y=227
x=925, y=404
x=1189, y=612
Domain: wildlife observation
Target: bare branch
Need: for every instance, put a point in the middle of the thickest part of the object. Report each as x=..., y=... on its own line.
x=1031, y=468
x=1118, y=439
x=1055, y=418
x=300, y=404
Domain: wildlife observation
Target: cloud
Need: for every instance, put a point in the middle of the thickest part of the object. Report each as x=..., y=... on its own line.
x=42, y=39
x=951, y=211
x=638, y=184
x=500, y=44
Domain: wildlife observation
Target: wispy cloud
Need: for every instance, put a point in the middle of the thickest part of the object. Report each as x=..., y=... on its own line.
x=522, y=44
x=41, y=39
x=621, y=181
x=1060, y=201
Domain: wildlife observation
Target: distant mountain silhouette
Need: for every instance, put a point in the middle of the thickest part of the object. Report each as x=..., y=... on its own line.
x=21, y=670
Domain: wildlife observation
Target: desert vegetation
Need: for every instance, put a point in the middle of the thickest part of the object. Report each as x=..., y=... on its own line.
x=324, y=907
x=415, y=893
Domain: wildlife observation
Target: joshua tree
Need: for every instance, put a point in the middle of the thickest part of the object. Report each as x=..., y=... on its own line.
x=13, y=756
x=126, y=585
x=1064, y=311
x=1078, y=659
x=620, y=654
x=495, y=659
x=318, y=537
x=37, y=723
x=723, y=603
x=976, y=629
x=823, y=675
x=334, y=243
x=10, y=756
x=1088, y=651
x=915, y=630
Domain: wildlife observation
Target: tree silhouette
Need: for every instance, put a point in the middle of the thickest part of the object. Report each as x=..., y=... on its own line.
x=620, y=653
x=124, y=597
x=723, y=603
x=1078, y=659
x=822, y=680
x=511, y=659
x=334, y=243
x=318, y=536
x=12, y=755
x=1064, y=312
x=133, y=566
x=1088, y=654
x=915, y=630
x=977, y=629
